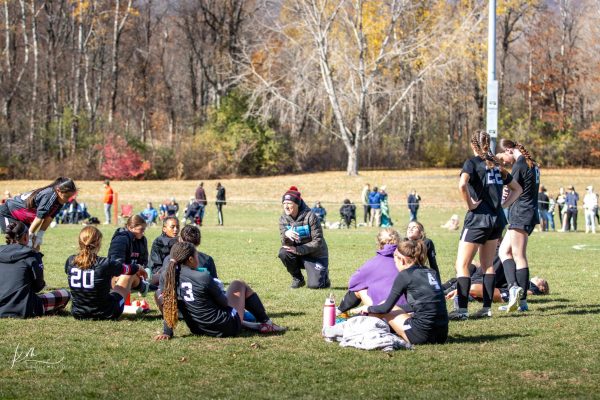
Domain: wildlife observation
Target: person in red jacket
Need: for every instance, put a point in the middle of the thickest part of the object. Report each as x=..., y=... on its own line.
x=108, y=201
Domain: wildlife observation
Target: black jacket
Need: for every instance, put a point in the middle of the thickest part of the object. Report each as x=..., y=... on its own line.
x=313, y=245
x=161, y=248
x=126, y=249
x=22, y=273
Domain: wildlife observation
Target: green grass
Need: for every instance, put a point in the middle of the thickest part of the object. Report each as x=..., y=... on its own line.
x=551, y=352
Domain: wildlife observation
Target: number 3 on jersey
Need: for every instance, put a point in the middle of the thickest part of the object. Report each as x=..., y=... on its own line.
x=494, y=177
x=188, y=294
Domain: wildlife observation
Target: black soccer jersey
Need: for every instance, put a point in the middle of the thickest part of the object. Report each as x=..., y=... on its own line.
x=524, y=210
x=202, y=303
x=424, y=295
x=45, y=204
x=485, y=184
x=90, y=287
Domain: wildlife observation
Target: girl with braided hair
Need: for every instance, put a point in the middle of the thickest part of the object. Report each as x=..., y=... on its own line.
x=95, y=294
x=480, y=187
x=523, y=217
x=22, y=274
x=206, y=310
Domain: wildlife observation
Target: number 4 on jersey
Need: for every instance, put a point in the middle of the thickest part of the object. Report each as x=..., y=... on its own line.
x=433, y=282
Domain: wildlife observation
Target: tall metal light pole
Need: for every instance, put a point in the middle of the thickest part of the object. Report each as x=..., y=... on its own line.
x=492, y=83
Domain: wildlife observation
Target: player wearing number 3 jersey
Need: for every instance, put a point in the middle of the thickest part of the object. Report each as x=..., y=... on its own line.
x=191, y=290
x=95, y=294
x=480, y=187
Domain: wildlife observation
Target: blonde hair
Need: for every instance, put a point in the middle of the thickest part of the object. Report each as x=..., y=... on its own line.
x=387, y=236
x=90, y=240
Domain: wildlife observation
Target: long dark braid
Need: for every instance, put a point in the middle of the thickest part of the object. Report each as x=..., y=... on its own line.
x=180, y=252
x=480, y=143
x=509, y=144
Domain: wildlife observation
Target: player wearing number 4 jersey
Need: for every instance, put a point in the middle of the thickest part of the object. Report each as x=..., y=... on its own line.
x=480, y=186
x=523, y=218
x=95, y=294
x=205, y=309
x=428, y=322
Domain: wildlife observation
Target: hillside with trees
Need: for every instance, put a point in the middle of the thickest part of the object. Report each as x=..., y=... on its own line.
x=160, y=89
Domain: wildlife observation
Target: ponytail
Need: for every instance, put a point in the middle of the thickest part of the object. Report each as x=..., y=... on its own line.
x=90, y=239
x=15, y=231
x=180, y=252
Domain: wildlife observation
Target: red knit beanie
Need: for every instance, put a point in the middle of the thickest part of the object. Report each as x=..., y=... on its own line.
x=292, y=195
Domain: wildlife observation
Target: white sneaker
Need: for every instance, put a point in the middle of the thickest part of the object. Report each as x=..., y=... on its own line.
x=515, y=294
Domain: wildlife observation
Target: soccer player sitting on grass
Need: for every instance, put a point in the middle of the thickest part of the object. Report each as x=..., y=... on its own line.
x=205, y=309
x=372, y=282
x=428, y=321
x=22, y=274
x=95, y=294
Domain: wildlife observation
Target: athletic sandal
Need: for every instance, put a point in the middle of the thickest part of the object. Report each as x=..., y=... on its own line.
x=271, y=328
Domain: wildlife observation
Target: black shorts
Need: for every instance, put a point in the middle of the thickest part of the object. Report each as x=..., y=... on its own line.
x=118, y=305
x=436, y=335
x=527, y=228
x=481, y=235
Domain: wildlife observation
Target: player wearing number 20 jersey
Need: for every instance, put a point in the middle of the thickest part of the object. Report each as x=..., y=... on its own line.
x=91, y=288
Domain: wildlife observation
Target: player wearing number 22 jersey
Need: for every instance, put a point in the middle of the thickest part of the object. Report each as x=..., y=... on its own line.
x=487, y=221
x=91, y=288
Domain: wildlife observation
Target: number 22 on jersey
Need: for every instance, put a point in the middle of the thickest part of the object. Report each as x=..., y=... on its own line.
x=494, y=177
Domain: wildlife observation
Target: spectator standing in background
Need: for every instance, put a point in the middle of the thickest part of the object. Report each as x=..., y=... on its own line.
x=365, y=201
x=221, y=201
x=375, y=204
x=413, y=204
x=590, y=206
x=571, y=200
x=543, y=207
x=201, y=200
x=108, y=201
x=562, y=209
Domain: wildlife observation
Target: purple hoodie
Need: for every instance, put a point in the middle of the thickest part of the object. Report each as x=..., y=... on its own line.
x=377, y=276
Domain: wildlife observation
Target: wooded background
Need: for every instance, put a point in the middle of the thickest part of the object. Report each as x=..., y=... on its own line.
x=208, y=88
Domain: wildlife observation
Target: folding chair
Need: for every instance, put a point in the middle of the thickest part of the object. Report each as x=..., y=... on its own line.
x=126, y=212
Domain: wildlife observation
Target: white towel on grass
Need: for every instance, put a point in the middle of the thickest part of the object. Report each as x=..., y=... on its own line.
x=367, y=333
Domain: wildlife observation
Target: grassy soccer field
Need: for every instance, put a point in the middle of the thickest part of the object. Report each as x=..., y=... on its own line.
x=552, y=352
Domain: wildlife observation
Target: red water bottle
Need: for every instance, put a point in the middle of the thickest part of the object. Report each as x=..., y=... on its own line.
x=329, y=312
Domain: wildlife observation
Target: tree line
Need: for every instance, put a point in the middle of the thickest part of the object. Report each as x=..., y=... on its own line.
x=206, y=88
